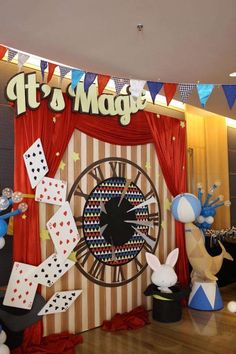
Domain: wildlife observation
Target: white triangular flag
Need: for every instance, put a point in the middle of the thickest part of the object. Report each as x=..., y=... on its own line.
x=136, y=87
x=22, y=59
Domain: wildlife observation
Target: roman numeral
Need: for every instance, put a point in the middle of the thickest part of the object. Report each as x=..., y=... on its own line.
x=82, y=252
x=154, y=217
x=97, y=270
x=138, y=264
x=78, y=221
x=97, y=174
x=80, y=193
x=118, y=169
x=117, y=274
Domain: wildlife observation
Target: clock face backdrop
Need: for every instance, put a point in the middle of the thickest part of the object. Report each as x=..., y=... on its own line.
x=119, y=221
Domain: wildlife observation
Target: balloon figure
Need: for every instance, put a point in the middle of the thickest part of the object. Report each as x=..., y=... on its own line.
x=208, y=208
x=7, y=199
x=3, y=347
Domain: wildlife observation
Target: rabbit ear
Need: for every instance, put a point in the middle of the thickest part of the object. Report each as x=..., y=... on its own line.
x=153, y=261
x=172, y=257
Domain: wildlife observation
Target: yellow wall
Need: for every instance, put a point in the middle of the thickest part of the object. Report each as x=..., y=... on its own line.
x=208, y=156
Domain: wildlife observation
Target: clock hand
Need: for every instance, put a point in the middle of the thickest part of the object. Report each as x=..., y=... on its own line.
x=127, y=184
x=145, y=237
x=102, y=206
x=148, y=223
x=147, y=202
x=102, y=229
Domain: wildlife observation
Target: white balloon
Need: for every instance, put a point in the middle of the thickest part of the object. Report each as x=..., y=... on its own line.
x=4, y=349
x=231, y=306
x=3, y=337
x=2, y=242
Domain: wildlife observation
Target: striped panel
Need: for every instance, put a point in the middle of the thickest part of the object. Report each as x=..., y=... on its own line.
x=98, y=303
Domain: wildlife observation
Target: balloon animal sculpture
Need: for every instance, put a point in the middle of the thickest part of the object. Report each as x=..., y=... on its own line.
x=7, y=199
x=189, y=209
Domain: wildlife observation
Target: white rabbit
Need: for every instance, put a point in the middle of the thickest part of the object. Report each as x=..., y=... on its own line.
x=164, y=275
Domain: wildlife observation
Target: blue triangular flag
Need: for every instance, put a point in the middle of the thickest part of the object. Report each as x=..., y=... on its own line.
x=76, y=75
x=88, y=80
x=230, y=94
x=154, y=88
x=43, y=66
x=204, y=91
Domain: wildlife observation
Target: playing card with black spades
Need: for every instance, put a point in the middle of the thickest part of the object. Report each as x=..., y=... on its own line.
x=63, y=231
x=49, y=271
x=35, y=163
x=60, y=302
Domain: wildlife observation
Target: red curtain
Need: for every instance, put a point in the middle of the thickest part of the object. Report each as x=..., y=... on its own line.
x=169, y=137
x=55, y=131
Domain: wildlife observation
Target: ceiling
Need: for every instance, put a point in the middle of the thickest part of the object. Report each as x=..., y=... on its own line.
x=182, y=41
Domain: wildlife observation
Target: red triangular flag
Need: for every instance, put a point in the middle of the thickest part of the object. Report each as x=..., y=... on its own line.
x=169, y=90
x=2, y=51
x=102, y=82
x=51, y=68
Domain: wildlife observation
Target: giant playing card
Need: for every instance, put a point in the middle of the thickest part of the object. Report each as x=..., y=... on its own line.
x=63, y=231
x=21, y=289
x=51, y=191
x=60, y=302
x=35, y=163
x=48, y=272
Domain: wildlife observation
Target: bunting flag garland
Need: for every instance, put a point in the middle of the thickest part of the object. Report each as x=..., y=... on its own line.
x=43, y=67
x=2, y=51
x=51, y=69
x=64, y=70
x=102, y=82
x=76, y=75
x=11, y=54
x=136, y=87
x=88, y=80
x=169, y=90
x=120, y=83
x=230, y=94
x=185, y=91
x=154, y=89
x=22, y=59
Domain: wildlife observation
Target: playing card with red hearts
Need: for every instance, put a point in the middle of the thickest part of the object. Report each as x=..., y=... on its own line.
x=21, y=289
x=63, y=231
x=51, y=191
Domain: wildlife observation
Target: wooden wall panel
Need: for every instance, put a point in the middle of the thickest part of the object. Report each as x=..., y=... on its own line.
x=98, y=303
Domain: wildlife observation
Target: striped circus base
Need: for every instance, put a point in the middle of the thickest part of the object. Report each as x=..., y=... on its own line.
x=98, y=303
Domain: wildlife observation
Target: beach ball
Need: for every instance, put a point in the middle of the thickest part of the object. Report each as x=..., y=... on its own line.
x=186, y=207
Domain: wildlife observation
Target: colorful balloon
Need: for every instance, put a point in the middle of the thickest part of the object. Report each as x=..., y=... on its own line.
x=7, y=192
x=186, y=207
x=4, y=203
x=17, y=197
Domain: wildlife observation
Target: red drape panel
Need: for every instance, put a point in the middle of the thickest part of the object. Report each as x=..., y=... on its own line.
x=55, y=131
x=28, y=128
x=169, y=136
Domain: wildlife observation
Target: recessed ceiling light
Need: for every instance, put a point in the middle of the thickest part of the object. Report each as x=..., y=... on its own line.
x=233, y=74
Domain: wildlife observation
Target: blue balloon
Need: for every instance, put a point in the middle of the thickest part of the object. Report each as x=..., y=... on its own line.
x=186, y=207
x=3, y=228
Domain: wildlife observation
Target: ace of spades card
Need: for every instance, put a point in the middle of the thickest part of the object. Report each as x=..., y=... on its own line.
x=49, y=271
x=51, y=191
x=35, y=163
x=60, y=302
x=63, y=231
x=21, y=289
